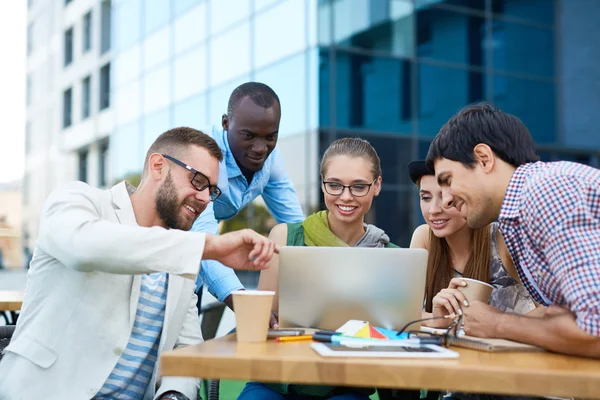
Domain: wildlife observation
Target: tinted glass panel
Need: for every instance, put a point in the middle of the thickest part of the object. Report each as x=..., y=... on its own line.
x=460, y=87
x=532, y=101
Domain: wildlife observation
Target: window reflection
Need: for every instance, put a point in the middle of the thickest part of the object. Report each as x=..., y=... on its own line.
x=287, y=78
x=127, y=154
x=511, y=53
x=371, y=25
x=225, y=13
x=190, y=28
x=541, y=11
x=180, y=6
x=533, y=102
x=127, y=102
x=219, y=97
x=466, y=5
x=192, y=113
x=156, y=89
x=127, y=66
x=460, y=87
x=450, y=36
x=128, y=23
x=156, y=15
x=226, y=64
x=157, y=48
x=260, y=4
x=154, y=125
x=270, y=46
x=361, y=84
x=190, y=73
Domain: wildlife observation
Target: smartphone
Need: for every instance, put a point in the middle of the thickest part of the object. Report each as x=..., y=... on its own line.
x=275, y=333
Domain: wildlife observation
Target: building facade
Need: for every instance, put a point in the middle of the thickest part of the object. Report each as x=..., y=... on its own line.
x=68, y=118
x=391, y=71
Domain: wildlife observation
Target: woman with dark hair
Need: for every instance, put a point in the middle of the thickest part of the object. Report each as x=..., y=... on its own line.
x=457, y=251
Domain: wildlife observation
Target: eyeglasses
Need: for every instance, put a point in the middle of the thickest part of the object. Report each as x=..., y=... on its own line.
x=199, y=180
x=444, y=340
x=357, y=190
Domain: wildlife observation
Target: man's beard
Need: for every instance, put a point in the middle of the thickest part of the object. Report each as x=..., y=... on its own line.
x=168, y=206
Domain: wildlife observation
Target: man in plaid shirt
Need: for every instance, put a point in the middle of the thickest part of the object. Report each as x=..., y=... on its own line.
x=549, y=215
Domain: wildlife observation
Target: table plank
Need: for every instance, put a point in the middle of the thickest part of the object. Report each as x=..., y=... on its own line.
x=536, y=374
x=11, y=300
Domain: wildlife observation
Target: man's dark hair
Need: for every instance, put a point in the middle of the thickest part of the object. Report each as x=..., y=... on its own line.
x=175, y=141
x=260, y=94
x=478, y=123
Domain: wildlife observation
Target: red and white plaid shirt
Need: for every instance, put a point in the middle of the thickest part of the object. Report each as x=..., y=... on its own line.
x=550, y=220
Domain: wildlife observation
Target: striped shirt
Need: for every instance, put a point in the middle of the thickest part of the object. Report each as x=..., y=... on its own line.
x=133, y=371
x=550, y=220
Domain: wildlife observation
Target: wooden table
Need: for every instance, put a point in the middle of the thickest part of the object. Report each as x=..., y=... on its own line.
x=535, y=374
x=10, y=302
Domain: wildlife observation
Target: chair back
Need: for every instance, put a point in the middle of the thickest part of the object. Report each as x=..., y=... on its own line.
x=6, y=333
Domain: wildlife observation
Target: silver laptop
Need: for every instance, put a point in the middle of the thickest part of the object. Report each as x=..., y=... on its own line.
x=324, y=287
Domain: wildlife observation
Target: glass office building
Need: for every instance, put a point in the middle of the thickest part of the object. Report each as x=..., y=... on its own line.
x=390, y=71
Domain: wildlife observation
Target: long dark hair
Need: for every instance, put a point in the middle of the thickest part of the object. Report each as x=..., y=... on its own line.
x=439, y=263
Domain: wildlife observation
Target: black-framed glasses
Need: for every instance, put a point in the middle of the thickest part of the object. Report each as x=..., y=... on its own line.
x=357, y=190
x=199, y=180
x=444, y=340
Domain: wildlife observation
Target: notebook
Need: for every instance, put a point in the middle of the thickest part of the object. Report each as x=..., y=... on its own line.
x=491, y=345
x=388, y=350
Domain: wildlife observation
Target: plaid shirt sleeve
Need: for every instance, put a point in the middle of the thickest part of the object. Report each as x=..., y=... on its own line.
x=562, y=216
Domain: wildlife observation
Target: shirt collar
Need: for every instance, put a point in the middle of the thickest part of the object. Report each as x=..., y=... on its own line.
x=233, y=169
x=510, y=205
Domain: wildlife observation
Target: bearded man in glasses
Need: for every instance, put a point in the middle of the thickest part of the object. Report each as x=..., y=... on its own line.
x=111, y=284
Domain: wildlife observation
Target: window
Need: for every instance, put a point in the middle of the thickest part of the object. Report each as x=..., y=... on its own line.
x=269, y=47
x=29, y=38
x=189, y=74
x=450, y=36
x=361, y=82
x=156, y=15
x=28, y=91
x=28, y=138
x=102, y=163
x=68, y=42
x=105, y=26
x=26, y=188
x=128, y=23
x=461, y=87
x=86, y=97
x=225, y=64
x=87, y=32
x=67, y=107
x=82, y=172
x=105, y=87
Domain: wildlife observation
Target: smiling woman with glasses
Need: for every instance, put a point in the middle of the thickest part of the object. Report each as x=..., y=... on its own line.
x=199, y=180
x=351, y=179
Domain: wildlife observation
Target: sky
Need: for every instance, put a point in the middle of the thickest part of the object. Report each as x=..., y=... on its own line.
x=13, y=29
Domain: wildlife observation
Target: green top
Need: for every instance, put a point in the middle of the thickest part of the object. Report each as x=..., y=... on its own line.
x=295, y=237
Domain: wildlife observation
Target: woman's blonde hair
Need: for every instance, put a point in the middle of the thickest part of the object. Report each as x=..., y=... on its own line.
x=352, y=147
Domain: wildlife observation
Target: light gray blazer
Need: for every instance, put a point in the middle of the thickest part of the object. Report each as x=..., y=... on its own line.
x=82, y=294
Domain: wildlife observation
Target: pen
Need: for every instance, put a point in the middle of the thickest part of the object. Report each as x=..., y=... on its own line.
x=381, y=342
x=293, y=338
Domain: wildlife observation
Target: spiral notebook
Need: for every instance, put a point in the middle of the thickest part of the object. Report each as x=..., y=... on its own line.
x=491, y=345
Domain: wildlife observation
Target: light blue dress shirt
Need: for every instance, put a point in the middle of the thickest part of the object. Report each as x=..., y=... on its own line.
x=277, y=191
